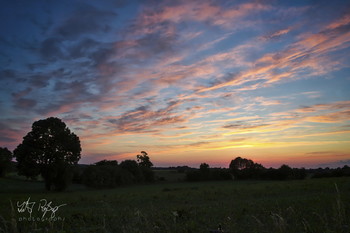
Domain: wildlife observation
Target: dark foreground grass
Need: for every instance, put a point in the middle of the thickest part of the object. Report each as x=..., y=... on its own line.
x=317, y=205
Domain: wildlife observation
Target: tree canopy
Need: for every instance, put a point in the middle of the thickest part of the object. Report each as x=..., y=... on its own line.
x=107, y=163
x=241, y=163
x=49, y=149
x=243, y=168
x=143, y=160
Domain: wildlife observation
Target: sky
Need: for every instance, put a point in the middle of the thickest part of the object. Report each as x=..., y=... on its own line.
x=186, y=81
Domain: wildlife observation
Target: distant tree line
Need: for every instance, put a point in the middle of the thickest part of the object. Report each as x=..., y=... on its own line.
x=206, y=173
x=330, y=172
x=245, y=169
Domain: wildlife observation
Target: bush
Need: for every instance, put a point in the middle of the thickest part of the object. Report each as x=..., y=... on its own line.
x=106, y=176
x=148, y=174
x=134, y=169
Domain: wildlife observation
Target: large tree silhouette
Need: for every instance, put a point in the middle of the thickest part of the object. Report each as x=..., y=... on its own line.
x=243, y=168
x=241, y=163
x=143, y=160
x=145, y=165
x=49, y=149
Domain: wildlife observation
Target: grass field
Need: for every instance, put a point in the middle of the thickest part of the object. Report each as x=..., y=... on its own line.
x=313, y=205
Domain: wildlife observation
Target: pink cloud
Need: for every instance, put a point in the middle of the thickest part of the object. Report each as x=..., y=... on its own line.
x=228, y=16
x=345, y=20
x=335, y=112
x=333, y=117
x=267, y=102
x=309, y=53
x=200, y=11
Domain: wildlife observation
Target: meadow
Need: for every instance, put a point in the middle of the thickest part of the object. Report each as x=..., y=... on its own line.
x=311, y=205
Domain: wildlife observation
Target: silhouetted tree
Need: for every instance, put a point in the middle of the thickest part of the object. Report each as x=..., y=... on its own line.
x=49, y=149
x=145, y=165
x=243, y=168
x=285, y=172
x=204, y=167
x=134, y=169
x=346, y=170
x=5, y=160
x=241, y=163
x=107, y=162
x=143, y=160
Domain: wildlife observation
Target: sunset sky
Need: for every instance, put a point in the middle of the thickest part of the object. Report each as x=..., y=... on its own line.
x=186, y=81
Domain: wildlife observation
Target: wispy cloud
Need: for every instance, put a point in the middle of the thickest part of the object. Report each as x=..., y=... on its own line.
x=277, y=34
x=143, y=119
x=203, y=11
x=309, y=53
